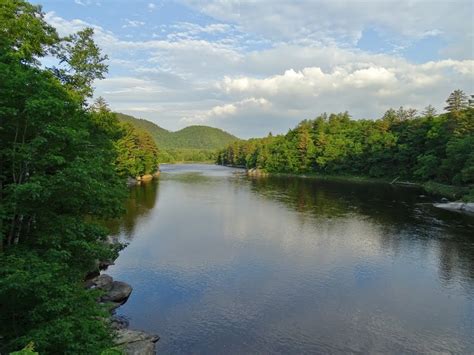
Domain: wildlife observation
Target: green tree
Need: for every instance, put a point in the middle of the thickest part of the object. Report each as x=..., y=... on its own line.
x=456, y=102
x=57, y=179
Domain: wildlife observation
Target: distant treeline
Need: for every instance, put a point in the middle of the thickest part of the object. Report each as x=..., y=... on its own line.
x=187, y=155
x=402, y=144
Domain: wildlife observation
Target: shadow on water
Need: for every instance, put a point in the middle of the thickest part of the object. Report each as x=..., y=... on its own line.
x=406, y=215
x=221, y=262
x=139, y=204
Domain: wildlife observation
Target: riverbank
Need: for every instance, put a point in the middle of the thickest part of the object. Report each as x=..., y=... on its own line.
x=207, y=162
x=462, y=193
x=114, y=295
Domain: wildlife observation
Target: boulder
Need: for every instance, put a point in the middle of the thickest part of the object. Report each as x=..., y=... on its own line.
x=146, y=177
x=465, y=207
x=118, y=292
x=134, y=342
x=257, y=172
x=103, y=282
x=118, y=322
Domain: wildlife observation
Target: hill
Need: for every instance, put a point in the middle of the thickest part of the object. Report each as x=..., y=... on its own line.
x=192, y=137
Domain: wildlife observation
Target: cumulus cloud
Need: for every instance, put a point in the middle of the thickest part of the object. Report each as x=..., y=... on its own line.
x=216, y=74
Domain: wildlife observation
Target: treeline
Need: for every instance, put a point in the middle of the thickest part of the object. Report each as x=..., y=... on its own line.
x=402, y=144
x=63, y=165
x=187, y=155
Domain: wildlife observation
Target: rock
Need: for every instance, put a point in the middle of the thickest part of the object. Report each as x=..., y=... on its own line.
x=142, y=347
x=156, y=174
x=146, y=177
x=104, y=264
x=118, y=322
x=257, y=172
x=444, y=200
x=118, y=292
x=464, y=207
x=135, y=342
x=103, y=282
x=131, y=181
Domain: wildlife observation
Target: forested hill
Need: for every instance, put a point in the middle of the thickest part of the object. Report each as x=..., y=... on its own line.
x=192, y=137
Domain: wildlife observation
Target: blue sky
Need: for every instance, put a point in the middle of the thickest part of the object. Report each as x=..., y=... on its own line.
x=252, y=67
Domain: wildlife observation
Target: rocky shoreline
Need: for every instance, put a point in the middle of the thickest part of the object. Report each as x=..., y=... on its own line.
x=114, y=294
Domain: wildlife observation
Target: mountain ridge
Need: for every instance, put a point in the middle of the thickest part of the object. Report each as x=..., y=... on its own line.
x=191, y=137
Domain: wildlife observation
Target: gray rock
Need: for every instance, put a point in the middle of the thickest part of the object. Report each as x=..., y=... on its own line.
x=135, y=342
x=119, y=292
x=118, y=322
x=465, y=207
x=103, y=282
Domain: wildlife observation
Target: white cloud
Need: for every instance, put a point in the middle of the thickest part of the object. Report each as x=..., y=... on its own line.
x=132, y=23
x=151, y=6
x=224, y=111
x=340, y=22
x=185, y=78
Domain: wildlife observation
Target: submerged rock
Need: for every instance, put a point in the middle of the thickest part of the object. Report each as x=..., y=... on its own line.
x=134, y=342
x=465, y=207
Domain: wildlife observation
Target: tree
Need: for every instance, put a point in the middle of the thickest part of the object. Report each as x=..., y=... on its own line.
x=429, y=111
x=57, y=180
x=25, y=34
x=81, y=62
x=457, y=101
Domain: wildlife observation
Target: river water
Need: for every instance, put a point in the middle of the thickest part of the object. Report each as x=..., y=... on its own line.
x=223, y=263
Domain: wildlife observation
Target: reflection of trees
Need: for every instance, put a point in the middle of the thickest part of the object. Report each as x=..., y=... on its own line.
x=141, y=201
x=406, y=221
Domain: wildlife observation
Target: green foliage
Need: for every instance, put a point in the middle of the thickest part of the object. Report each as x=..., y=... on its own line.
x=27, y=350
x=200, y=138
x=58, y=178
x=423, y=148
x=187, y=155
x=43, y=300
x=25, y=34
x=137, y=152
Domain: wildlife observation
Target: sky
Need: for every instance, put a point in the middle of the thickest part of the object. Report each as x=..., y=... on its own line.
x=254, y=67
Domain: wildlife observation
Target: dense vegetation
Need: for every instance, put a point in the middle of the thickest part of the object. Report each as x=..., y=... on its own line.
x=62, y=169
x=402, y=144
x=193, y=143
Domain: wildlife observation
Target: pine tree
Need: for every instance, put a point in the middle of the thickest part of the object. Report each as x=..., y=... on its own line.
x=457, y=101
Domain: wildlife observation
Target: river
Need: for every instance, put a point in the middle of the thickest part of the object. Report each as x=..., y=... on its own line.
x=223, y=263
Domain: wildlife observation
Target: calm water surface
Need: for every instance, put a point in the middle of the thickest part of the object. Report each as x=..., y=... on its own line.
x=222, y=263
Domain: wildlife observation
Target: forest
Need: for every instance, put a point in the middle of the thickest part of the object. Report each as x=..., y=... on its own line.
x=404, y=145
x=190, y=144
x=63, y=165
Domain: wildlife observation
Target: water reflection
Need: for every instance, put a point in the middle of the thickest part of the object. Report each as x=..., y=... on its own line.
x=225, y=263
x=142, y=199
x=405, y=217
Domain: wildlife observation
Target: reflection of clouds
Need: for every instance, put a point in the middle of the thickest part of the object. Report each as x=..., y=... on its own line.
x=217, y=261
